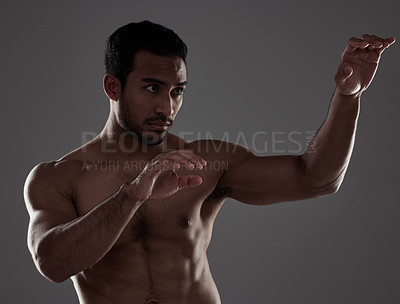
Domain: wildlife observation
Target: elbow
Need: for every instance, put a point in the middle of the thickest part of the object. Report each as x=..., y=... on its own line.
x=334, y=185
x=320, y=183
x=49, y=265
x=327, y=188
x=50, y=274
x=331, y=189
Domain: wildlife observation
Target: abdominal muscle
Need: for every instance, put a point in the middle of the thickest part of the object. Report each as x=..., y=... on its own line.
x=151, y=271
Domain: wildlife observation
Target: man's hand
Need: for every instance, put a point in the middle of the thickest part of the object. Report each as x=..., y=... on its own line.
x=159, y=178
x=359, y=62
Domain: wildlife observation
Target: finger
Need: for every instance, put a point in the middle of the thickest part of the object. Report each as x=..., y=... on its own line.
x=373, y=40
x=199, y=161
x=162, y=165
x=378, y=42
x=344, y=72
x=176, y=161
x=390, y=41
x=355, y=43
x=386, y=43
x=189, y=181
x=176, y=157
x=191, y=157
x=185, y=158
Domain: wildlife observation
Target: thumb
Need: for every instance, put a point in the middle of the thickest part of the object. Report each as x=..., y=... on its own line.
x=189, y=181
x=343, y=73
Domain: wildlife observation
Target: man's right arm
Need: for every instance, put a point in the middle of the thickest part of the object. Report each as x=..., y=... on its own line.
x=63, y=244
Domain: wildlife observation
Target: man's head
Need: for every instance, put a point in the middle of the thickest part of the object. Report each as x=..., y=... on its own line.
x=128, y=40
x=146, y=76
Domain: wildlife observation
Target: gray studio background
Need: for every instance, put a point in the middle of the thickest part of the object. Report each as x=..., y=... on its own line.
x=254, y=66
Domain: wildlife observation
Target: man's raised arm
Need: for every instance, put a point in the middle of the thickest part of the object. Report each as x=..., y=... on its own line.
x=320, y=170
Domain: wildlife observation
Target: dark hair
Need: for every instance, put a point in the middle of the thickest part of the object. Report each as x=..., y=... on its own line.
x=129, y=39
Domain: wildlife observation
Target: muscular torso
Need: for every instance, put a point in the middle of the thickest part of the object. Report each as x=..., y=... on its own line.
x=161, y=254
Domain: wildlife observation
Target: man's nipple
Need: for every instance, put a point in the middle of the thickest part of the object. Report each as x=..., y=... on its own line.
x=185, y=222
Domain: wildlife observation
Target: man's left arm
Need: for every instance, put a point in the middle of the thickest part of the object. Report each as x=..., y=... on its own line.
x=320, y=170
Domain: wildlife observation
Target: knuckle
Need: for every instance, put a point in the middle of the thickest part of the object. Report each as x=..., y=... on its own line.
x=376, y=37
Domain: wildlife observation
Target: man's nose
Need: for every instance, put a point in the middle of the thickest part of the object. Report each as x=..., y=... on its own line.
x=165, y=105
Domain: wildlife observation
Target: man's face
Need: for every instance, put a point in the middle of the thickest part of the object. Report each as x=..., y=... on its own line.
x=152, y=96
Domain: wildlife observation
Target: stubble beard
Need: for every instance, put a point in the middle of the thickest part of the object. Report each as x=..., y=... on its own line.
x=146, y=137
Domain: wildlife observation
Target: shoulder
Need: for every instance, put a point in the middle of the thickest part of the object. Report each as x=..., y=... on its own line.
x=71, y=163
x=58, y=168
x=53, y=176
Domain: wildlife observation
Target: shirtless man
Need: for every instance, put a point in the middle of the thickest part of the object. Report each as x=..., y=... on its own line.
x=137, y=230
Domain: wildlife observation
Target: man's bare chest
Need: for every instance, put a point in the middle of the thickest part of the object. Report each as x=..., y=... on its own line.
x=182, y=215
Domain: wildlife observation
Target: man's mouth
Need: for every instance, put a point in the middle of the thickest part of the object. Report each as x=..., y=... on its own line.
x=159, y=125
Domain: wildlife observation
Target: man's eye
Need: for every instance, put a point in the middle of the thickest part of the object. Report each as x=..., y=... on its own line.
x=152, y=88
x=178, y=91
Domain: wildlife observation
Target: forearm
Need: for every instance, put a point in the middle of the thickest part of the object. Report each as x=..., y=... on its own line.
x=75, y=246
x=327, y=157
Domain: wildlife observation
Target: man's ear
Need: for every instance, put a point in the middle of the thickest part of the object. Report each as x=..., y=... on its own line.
x=112, y=86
